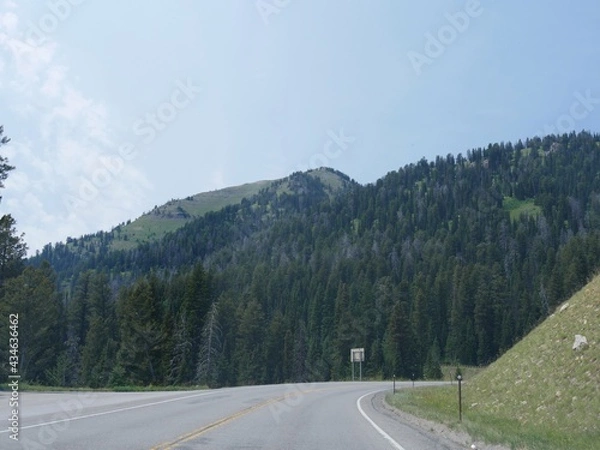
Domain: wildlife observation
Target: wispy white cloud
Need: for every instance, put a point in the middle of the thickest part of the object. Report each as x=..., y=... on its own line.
x=9, y=21
x=55, y=77
x=69, y=135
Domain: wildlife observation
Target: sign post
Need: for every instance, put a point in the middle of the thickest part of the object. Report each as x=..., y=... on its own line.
x=459, y=378
x=357, y=355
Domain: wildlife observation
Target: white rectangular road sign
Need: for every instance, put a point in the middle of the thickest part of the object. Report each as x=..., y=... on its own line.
x=357, y=355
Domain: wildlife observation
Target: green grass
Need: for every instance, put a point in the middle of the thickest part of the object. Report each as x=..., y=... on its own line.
x=328, y=178
x=155, y=224
x=540, y=395
x=174, y=214
x=440, y=405
x=467, y=372
x=517, y=208
x=164, y=219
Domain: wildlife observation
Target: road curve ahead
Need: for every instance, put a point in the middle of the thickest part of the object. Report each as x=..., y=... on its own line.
x=332, y=416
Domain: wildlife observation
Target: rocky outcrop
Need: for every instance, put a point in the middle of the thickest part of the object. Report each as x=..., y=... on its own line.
x=580, y=343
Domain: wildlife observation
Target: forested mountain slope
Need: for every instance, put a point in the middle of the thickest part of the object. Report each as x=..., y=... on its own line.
x=155, y=224
x=453, y=259
x=139, y=245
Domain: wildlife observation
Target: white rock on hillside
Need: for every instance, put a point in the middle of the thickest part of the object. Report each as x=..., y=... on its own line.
x=580, y=342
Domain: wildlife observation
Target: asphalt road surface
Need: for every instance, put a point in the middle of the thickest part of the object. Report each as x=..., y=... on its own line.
x=331, y=416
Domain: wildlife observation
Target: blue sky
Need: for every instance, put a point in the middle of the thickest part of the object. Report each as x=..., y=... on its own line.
x=115, y=108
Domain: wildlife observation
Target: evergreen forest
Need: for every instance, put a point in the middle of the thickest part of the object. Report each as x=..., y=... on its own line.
x=444, y=261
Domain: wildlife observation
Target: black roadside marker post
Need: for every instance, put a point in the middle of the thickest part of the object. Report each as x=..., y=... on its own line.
x=459, y=378
x=394, y=384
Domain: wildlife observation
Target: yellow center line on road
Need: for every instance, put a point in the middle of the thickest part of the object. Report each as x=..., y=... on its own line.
x=200, y=431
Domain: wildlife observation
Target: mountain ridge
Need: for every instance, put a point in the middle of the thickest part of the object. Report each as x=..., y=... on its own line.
x=175, y=213
x=448, y=260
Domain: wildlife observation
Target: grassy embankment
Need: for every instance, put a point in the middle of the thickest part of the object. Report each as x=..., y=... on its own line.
x=540, y=395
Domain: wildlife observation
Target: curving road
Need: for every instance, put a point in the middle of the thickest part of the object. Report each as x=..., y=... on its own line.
x=332, y=416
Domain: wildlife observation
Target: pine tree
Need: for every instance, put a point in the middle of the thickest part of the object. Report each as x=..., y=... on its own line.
x=78, y=308
x=99, y=352
x=484, y=318
x=399, y=345
x=142, y=338
x=181, y=354
x=347, y=333
x=433, y=368
x=32, y=295
x=249, y=353
x=67, y=370
x=211, y=346
x=196, y=303
x=299, y=369
x=12, y=246
x=274, y=349
x=12, y=249
x=420, y=322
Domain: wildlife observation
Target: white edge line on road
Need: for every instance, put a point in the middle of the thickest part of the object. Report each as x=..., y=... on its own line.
x=87, y=416
x=374, y=425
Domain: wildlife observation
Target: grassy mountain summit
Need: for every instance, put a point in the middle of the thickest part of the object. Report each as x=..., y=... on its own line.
x=163, y=219
x=174, y=214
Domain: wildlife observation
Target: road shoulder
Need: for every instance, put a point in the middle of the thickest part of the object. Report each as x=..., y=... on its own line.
x=442, y=434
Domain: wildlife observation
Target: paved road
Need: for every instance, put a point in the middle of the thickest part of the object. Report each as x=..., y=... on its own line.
x=332, y=416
